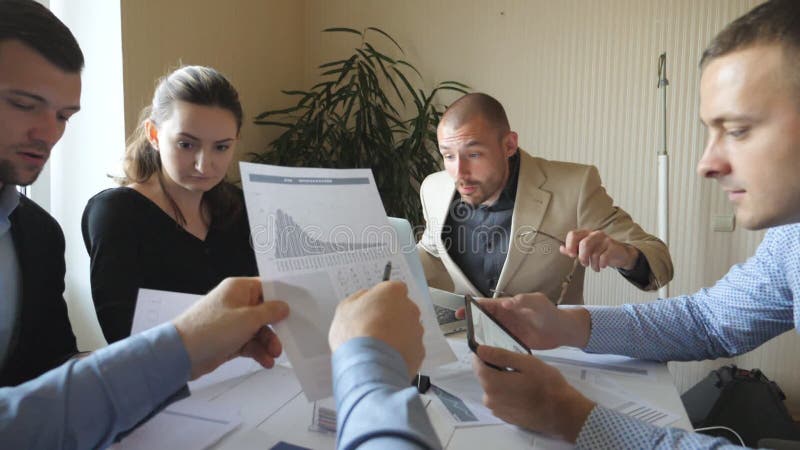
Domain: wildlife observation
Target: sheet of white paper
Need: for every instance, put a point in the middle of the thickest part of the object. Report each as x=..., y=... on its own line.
x=189, y=423
x=463, y=395
x=273, y=388
x=606, y=392
x=611, y=364
x=156, y=307
x=319, y=236
x=593, y=375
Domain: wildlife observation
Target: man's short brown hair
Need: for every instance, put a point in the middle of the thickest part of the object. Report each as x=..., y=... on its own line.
x=37, y=27
x=773, y=22
x=475, y=104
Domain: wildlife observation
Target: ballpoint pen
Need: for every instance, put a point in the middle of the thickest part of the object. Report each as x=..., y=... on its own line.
x=387, y=271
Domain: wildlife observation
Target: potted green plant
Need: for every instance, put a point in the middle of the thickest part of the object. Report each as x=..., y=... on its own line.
x=365, y=113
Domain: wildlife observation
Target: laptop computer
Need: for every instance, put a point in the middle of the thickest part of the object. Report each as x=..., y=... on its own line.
x=445, y=303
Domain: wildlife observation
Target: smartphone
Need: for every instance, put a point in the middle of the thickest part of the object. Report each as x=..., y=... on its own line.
x=483, y=329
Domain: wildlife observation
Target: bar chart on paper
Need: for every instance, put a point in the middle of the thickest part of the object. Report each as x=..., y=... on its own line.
x=297, y=249
x=351, y=264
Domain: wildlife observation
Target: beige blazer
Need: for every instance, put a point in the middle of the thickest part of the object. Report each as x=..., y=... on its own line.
x=554, y=197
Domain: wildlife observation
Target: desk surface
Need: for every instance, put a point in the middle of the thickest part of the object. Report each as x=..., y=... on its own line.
x=274, y=410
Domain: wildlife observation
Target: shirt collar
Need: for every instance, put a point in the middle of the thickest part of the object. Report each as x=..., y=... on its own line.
x=9, y=200
x=509, y=193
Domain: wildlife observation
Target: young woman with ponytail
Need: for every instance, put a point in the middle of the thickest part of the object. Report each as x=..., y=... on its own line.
x=175, y=224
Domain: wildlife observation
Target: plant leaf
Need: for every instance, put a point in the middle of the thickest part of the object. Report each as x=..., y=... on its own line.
x=408, y=86
x=461, y=85
x=277, y=124
x=332, y=63
x=407, y=64
x=342, y=29
x=378, y=54
x=387, y=35
x=295, y=92
x=278, y=111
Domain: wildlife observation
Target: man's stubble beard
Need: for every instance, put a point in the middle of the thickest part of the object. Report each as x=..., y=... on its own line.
x=9, y=174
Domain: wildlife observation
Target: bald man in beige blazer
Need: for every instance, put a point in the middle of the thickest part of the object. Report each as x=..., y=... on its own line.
x=500, y=222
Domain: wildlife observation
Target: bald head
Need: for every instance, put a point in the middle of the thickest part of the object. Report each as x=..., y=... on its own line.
x=472, y=106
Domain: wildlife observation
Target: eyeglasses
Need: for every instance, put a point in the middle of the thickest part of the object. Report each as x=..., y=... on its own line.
x=564, y=283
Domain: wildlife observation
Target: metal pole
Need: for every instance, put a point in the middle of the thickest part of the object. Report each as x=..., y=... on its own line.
x=663, y=164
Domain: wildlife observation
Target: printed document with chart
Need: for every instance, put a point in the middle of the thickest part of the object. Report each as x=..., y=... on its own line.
x=320, y=235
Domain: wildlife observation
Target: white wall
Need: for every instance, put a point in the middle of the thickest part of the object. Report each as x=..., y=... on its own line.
x=90, y=149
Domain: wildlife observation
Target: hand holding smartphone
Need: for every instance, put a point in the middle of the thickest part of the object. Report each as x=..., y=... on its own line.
x=483, y=329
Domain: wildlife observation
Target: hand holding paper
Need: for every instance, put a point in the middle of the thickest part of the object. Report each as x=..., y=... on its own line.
x=228, y=322
x=384, y=312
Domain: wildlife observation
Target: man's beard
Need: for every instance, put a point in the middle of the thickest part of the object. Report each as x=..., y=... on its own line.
x=9, y=174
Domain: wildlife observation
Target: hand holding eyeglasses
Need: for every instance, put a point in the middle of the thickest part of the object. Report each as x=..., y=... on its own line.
x=599, y=250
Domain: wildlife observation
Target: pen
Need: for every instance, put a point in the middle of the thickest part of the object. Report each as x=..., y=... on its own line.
x=387, y=271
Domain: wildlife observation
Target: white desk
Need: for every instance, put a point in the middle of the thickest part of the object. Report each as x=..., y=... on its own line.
x=273, y=415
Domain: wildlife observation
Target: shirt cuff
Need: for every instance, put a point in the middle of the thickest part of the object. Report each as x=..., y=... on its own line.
x=640, y=274
x=605, y=428
x=609, y=330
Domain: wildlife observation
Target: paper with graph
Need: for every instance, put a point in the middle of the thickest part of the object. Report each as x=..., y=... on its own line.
x=319, y=236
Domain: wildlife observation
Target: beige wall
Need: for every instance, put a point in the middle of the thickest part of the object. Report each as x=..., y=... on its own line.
x=578, y=78
x=257, y=44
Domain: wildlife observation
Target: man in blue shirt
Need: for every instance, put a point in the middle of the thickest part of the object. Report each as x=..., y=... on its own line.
x=89, y=402
x=750, y=105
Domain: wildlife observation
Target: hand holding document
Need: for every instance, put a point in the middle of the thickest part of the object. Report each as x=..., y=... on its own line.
x=156, y=307
x=321, y=235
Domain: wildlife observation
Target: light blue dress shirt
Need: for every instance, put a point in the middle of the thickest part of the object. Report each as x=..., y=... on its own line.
x=376, y=407
x=87, y=403
x=10, y=295
x=753, y=303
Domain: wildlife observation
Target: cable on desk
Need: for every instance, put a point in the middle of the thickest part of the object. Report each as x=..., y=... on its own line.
x=720, y=427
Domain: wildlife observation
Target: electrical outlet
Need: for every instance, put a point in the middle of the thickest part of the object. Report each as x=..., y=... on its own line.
x=724, y=222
